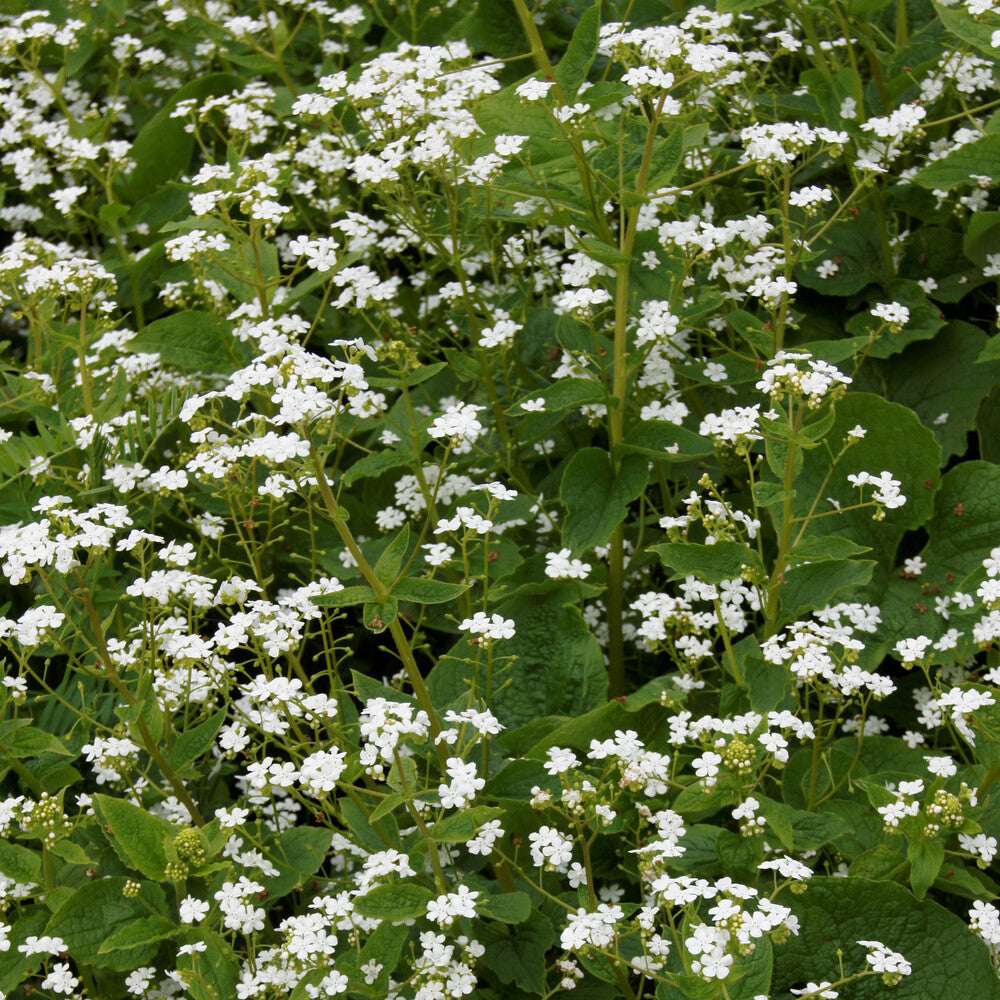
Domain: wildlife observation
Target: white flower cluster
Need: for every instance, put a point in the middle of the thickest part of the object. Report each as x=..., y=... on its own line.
x=818, y=382
x=778, y=145
x=885, y=490
x=55, y=539
x=822, y=651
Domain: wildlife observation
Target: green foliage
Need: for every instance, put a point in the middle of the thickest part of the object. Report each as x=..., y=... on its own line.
x=500, y=503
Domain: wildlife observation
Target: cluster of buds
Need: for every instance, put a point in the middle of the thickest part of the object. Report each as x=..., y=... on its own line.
x=739, y=755
x=44, y=818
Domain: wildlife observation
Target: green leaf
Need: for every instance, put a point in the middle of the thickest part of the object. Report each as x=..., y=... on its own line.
x=739, y=855
x=826, y=548
x=399, y=901
x=136, y=835
x=516, y=955
x=509, y=908
x=665, y=442
x=982, y=237
x=297, y=853
x=213, y=972
x=379, y=615
x=190, y=341
x=961, y=535
x=193, y=743
x=767, y=494
x=402, y=775
x=145, y=930
x=605, y=253
x=20, y=863
x=948, y=959
x=345, y=597
x=97, y=911
x=968, y=28
x=981, y=158
x=814, y=585
x=926, y=858
x=724, y=560
x=72, y=853
x=388, y=805
x=924, y=322
x=569, y=392
x=423, y=591
x=854, y=242
x=375, y=464
x=392, y=556
x=559, y=667
x=779, y=819
x=667, y=157
x=163, y=149
x=572, y=69
x=882, y=862
x=29, y=741
x=895, y=441
x=15, y=965
x=941, y=381
x=595, y=499
x=751, y=329
x=462, y=826
x=384, y=946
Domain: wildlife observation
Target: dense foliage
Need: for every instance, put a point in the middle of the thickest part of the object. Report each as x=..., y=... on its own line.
x=500, y=500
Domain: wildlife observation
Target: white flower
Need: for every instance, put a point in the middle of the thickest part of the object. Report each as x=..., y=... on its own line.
x=495, y=627
x=892, y=313
x=448, y=906
x=883, y=960
x=560, y=760
x=560, y=566
x=943, y=767
x=193, y=910
x=817, y=990
x=533, y=90
x=550, y=849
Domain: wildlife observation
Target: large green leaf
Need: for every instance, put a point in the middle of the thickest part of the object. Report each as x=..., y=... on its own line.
x=572, y=69
x=99, y=910
x=924, y=322
x=517, y=954
x=980, y=158
x=137, y=836
x=194, y=742
x=136, y=933
x=895, y=441
x=558, y=667
x=20, y=863
x=723, y=560
x=398, y=901
x=948, y=959
x=854, y=244
x=163, y=148
x=595, y=498
x=976, y=31
x=941, y=382
x=191, y=341
x=508, y=908
x=961, y=535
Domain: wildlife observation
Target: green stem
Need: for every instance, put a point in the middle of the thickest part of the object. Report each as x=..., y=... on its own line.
x=421, y=826
x=149, y=743
x=381, y=593
x=88, y=394
x=543, y=62
x=784, y=542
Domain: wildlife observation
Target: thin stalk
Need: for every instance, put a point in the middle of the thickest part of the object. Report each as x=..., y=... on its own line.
x=381, y=593
x=148, y=742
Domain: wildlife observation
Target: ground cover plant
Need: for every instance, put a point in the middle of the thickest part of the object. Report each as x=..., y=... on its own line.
x=500, y=500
